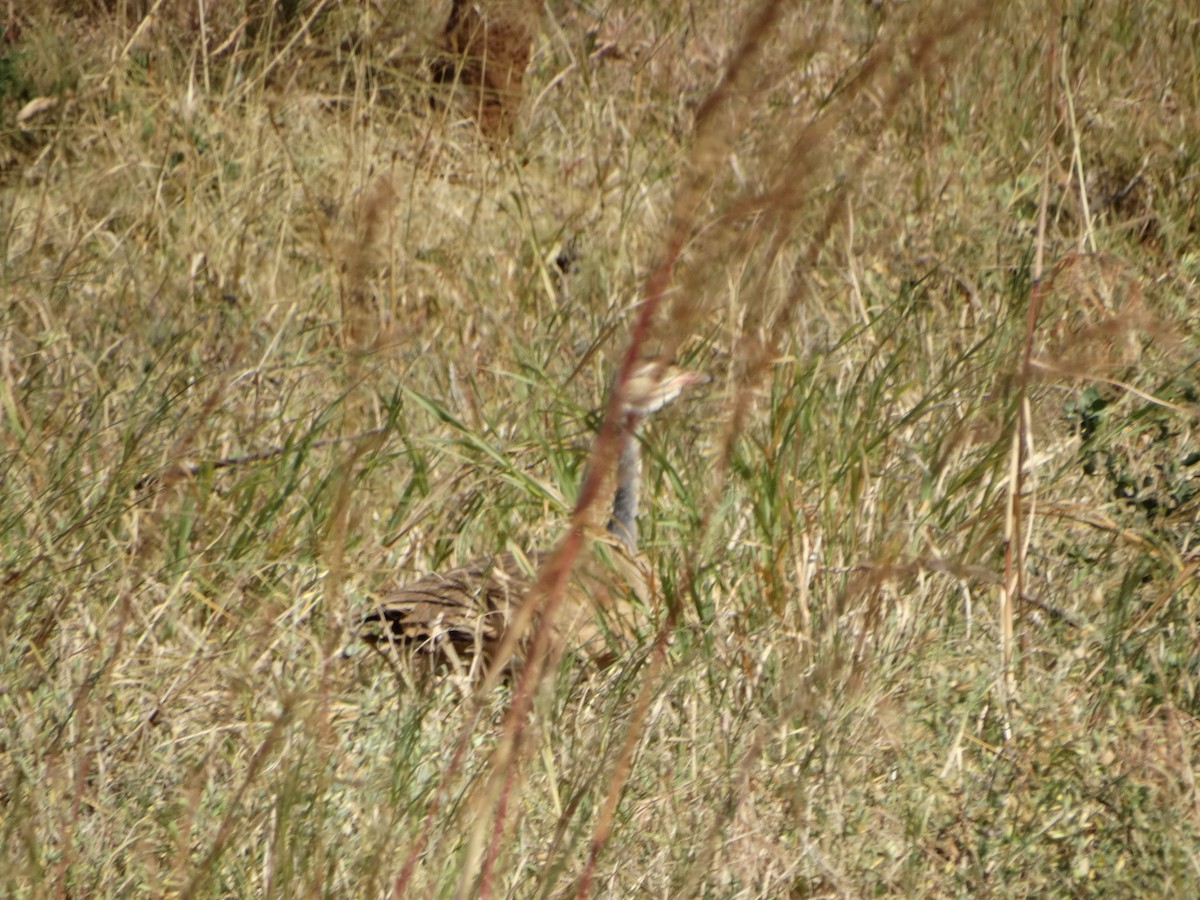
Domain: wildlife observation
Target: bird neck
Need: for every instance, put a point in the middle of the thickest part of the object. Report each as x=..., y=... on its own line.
x=623, y=522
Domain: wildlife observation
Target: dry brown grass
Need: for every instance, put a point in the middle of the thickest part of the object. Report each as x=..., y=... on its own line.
x=275, y=329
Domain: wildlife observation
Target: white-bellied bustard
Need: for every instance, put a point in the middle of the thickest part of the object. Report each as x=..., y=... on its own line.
x=460, y=616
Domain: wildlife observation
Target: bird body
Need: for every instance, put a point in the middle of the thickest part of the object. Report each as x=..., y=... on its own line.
x=460, y=616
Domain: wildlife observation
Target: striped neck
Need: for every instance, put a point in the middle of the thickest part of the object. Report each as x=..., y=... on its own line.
x=623, y=522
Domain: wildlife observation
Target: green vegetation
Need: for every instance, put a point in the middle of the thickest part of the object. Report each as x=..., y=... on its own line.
x=275, y=329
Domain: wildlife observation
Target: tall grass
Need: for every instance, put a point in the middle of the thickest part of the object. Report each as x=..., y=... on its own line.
x=276, y=330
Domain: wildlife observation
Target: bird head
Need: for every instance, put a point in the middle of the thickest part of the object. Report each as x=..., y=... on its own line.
x=654, y=384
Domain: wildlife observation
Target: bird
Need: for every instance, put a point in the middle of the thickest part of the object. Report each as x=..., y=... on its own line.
x=460, y=617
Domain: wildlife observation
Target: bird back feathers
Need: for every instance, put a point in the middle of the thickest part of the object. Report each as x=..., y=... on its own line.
x=460, y=616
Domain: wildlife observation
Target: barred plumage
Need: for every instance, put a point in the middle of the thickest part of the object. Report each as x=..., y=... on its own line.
x=461, y=616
